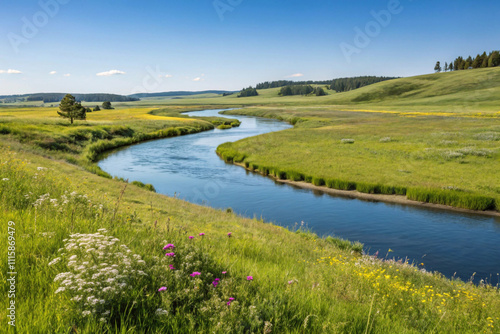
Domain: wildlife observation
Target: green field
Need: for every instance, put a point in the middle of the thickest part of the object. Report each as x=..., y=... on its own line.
x=56, y=196
x=439, y=159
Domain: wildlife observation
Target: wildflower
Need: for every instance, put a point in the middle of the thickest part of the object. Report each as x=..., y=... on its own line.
x=161, y=312
x=249, y=278
x=57, y=259
x=5, y=179
x=169, y=246
x=214, y=283
x=41, y=168
x=202, y=234
x=60, y=290
x=390, y=250
x=163, y=288
x=224, y=272
x=231, y=299
x=171, y=267
x=194, y=274
x=229, y=234
x=170, y=254
x=191, y=237
x=86, y=313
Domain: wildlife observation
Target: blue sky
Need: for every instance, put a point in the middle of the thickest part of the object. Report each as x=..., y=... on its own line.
x=152, y=46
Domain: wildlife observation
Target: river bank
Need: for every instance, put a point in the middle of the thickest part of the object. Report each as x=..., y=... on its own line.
x=396, y=199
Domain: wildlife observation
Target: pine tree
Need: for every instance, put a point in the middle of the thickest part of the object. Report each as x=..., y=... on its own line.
x=494, y=59
x=446, y=67
x=438, y=68
x=69, y=108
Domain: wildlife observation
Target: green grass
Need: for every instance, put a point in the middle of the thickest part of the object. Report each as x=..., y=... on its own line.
x=441, y=154
x=301, y=283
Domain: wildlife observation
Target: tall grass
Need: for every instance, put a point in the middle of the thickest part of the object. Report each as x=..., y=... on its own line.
x=452, y=198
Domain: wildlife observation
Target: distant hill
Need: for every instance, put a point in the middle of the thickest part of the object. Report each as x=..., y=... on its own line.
x=339, y=84
x=57, y=97
x=180, y=93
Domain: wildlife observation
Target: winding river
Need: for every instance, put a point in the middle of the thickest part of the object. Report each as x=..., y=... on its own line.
x=453, y=243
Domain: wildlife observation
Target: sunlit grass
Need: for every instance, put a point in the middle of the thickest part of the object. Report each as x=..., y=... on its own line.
x=301, y=283
x=446, y=160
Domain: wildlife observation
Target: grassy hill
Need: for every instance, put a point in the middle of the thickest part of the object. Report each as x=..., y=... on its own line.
x=461, y=91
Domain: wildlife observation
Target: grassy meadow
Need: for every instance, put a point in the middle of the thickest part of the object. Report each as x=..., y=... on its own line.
x=450, y=160
x=96, y=254
x=91, y=257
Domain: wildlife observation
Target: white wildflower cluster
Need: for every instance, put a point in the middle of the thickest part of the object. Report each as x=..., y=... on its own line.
x=5, y=179
x=102, y=272
x=65, y=199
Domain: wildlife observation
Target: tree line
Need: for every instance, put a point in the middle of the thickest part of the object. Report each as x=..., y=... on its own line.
x=480, y=61
x=56, y=97
x=245, y=92
x=301, y=90
x=339, y=85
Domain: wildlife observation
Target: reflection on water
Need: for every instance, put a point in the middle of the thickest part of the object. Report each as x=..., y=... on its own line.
x=188, y=166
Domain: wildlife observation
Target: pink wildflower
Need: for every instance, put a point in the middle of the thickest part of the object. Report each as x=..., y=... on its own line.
x=249, y=278
x=169, y=246
x=163, y=288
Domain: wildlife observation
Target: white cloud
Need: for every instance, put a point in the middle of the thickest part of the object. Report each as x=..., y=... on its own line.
x=10, y=71
x=296, y=75
x=166, y=76
x=197, y=79
x=109, y=73
x=52, y=72
x=67, y=75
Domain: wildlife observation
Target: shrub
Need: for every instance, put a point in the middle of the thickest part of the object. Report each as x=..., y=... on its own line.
x=148, y=186
x=347, y=141
x=345, y=244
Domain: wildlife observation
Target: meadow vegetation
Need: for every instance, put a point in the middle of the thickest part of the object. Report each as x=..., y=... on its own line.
x=99, y=255
x=449, y=160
